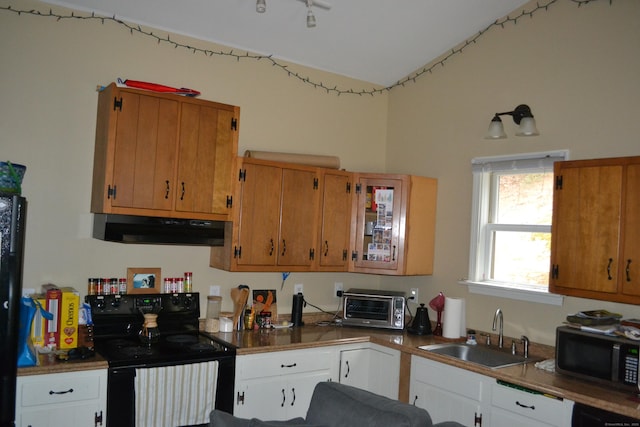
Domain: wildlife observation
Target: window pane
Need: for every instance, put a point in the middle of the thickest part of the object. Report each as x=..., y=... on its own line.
x=521, y=257
x=525, y=198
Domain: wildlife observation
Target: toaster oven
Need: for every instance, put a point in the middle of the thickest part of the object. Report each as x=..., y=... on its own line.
x=374, y=308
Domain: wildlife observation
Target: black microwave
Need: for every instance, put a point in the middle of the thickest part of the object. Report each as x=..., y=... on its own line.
x=602, y=358
x=373, y=308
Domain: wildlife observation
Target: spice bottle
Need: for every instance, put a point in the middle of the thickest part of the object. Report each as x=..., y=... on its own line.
x=188, y=282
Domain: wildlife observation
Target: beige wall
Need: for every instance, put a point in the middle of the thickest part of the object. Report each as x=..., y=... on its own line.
x=576, y=67
x=49, y=73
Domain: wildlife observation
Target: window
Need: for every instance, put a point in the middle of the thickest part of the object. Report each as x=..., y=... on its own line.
x=511, y=224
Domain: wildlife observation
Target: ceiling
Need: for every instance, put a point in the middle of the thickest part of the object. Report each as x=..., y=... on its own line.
x=378, y=41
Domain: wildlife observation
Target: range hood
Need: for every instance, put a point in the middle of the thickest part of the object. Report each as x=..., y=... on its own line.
x=153, y=230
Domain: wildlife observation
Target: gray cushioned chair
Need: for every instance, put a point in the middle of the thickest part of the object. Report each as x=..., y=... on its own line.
x=339, y=405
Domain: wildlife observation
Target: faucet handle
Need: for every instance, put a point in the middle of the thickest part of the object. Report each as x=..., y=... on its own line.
x=488, y=338
x=525, y=342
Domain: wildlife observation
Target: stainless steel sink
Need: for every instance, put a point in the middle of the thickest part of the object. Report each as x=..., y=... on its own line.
x=481, y=355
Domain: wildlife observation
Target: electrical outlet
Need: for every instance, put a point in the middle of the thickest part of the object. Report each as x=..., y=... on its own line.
x=414, y=294
x=298, y=288
x=337, y=289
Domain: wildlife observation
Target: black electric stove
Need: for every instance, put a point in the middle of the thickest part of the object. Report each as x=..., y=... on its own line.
x=118, y=320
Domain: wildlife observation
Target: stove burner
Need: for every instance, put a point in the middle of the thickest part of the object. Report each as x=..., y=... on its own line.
x=137, y=352
x=182, y=339
x=202, y=346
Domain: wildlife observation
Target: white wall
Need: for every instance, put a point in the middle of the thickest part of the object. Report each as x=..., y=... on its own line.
x=577, y=68
x=49, y=73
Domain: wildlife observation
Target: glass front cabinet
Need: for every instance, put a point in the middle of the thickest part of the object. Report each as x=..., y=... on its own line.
x=394, y=213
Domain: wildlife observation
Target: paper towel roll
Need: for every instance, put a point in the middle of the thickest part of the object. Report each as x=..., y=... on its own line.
x=451, y=324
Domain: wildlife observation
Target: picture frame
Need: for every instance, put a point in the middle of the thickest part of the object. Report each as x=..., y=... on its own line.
x=143, y=280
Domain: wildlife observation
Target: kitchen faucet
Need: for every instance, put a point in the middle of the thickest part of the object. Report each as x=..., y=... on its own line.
x=497, y=316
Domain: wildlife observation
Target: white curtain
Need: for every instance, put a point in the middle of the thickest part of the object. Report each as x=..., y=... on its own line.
x=172, y=396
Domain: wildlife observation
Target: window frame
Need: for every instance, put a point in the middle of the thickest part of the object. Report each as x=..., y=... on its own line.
x=481, y=228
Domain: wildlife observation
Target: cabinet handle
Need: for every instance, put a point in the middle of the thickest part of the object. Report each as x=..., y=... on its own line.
x=415, y=399
x=348, y=369
x=532, y=407
x=284, y=247
x=609, y=269
x=393, y=256
x=293, y=392
x=284, y=397
x=272, y=247
x=627, y=270
x=60, y=392
x=182, y=195
x=477, y=420
x=326, y=248
x=293, y=365
x=97, y=419
x=166, y=193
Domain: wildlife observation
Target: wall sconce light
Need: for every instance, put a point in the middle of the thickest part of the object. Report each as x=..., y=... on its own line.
x=261, y=6
x=521, y=116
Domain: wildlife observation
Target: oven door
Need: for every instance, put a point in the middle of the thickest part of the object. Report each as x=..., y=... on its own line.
x=121, y=398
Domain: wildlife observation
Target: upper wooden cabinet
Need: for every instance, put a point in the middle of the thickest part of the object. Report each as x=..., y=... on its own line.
x=393, y=229
x=595, y=244
x=163, y=155
x=300, y=218
x=275, y=219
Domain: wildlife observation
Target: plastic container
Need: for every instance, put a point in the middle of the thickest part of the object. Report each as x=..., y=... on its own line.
x=213, y=306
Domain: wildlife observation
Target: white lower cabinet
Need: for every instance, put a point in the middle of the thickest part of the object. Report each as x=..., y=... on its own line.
x=449, y=393
x=279, y=385
x=513, y=404
x=455, y=394
x=76, y=399
x=371, y=367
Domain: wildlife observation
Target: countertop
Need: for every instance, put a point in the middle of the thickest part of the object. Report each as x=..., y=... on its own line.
x=49, y=364
x=527, y=375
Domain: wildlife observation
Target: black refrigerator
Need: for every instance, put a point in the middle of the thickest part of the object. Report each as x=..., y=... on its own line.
x=13, y=210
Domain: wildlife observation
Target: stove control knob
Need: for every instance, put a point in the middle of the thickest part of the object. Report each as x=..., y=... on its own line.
x=116, y=302
x=188, y=301
x=175, y=299
x=100, y=303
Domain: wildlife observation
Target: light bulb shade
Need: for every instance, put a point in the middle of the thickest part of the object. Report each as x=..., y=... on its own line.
x=527, y=127
x=496, y=129
x=311, y=19
x=261, y=6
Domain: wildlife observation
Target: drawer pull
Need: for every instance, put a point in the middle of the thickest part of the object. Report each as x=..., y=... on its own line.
x=532, y=407
x=293, y=365
x=61, y=392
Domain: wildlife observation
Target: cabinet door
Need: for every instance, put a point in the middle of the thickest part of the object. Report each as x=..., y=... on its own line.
x=630, y=265
x=259, y=219
x=145, y=150
x=585, y=229
x=375, y=369
x=379, y=215
x=86, y=415
x=204, y=170
x=336, y=221
x=298, y=217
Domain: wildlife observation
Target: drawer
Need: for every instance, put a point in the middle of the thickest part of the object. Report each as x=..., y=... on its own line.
x=60, y=388
x=528, y=403
x=284, y=363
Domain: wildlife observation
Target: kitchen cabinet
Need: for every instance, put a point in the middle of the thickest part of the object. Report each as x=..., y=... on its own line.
x=163, y=155
x=595, y=247
x=394, y=224
x=449, y=393
x=373, y=367
x=62, y=399
x=514, y=405
x=335, y=220
x=275, y=219
x=279, y=385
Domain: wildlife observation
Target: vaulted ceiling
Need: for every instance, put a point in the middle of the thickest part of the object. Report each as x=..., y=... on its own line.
x=377, y=41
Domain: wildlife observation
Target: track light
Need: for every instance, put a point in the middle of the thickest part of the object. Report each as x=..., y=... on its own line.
x=311, y=19
x=261, y=6
x=521, y=116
